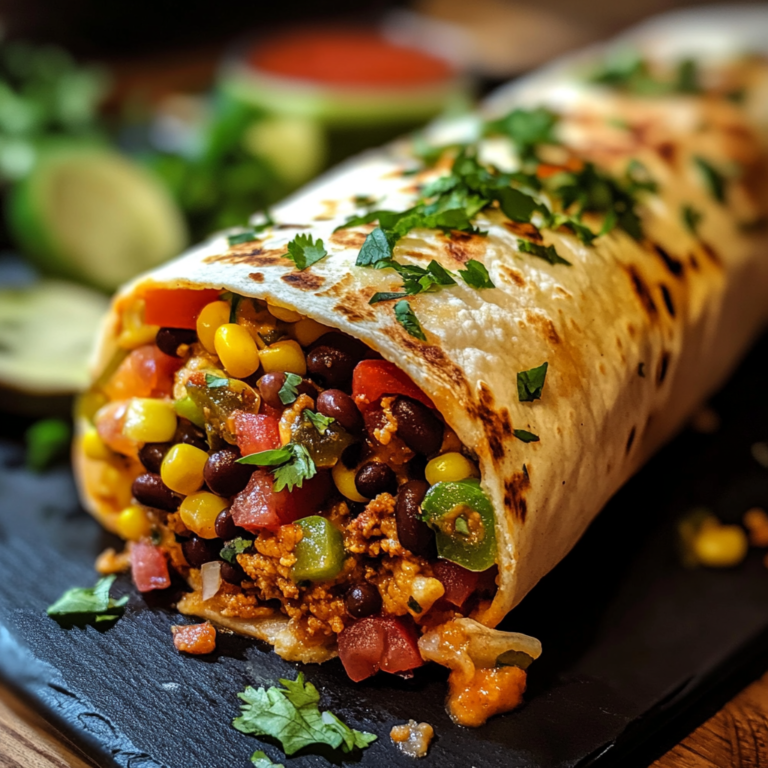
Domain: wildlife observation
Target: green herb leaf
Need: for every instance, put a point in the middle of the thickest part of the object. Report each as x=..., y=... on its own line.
x=476, y=275
x=260, y=760
x=235, y=547
x=215, y=382
x=291, y=715
x=89, y=604
x=289, y=391
x=386, y=296
x=47, y=440
x=271, y=458
x=234, y=304
x=548, y=253
x=688, y=77
x=364, y=201
x=407, y=318
x=525, y=436
x=713, y=178
x=358, y=220
x=516, y=205
x=461, y=526
x=292, y=462
x=376, y=248
x=531, y=382
x=304, y=251
x=527, y=128
x=413, y=605
x=320, y=422
x=691, y=218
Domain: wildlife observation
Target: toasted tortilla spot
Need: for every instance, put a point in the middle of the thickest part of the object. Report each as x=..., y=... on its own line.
x=463, y=246
x=630, y=440
x=643, y=293
x=668, y=303
x=631, y=330
x=257, y=277
x=663, y=367
x=545, y=325
x=497, y=426
x=304, y=281
x=524, y=229
x=256, y=257
x=356, y=311
x=351, y=238
x=338, y=288
x=711, y=253
x=515, y=276
x=667, y=152
x=514, y=494
x=694, y=263
x=672, y=264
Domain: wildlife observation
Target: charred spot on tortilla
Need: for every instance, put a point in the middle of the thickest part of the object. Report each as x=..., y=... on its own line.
x=351, y=238
x=672, y=264
x=513, y=275
x=514, y=494
x=661, y=371
x=630, y=440
x=304, y=281
x=357, y=313
x=257, y=277
x=667, y=152
x=695, y=266
x=463, y=246
x=642, y=292
x=255, y=257
x=497, y=426
x=668, y=303
x=524, y=229
x=545, y=325
x=711, y=253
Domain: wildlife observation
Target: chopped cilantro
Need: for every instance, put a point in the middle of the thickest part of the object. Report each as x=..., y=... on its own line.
x=289, y=392
x=548, y=253
x=46, y=440
x=688, y=77
x=476, y=275
x=625, y=70
x=527, y=128
x=303, y=251
x=246, y=236
x=638, y=178
x=292, y=462
x=415, y=279
x=291, y=715
x=364, y=201
x=376, y=248
x=412, y=603
x=319, y=422
x=215, y=382
x=525, y=436
x=89, y=604
x=406, y=317
x=235, y=547
x=691, y=218
x=530, y=383
x=260, y=760
x=713, y=178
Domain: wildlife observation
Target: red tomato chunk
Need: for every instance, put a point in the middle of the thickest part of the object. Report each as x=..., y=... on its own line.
x=256, y=432
x=149, y=567
x=372, y=379
x=145, y=372
x=176, y=307
x=459, y=583
x=197, y=639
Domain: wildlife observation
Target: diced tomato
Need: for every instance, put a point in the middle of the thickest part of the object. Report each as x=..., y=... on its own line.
x=258, y=506
x=145, y=372
x=372, y=379
x=459, y=583
x=256, y=432
x=176, y=307
x=109, y=425
x=268, y=410
x=149, y=567
x=378, y=643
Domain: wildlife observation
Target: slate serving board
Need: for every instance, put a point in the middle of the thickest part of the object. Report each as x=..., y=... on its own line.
x=636, y=648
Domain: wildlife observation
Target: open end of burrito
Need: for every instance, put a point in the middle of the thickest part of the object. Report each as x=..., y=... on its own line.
x=308, y=491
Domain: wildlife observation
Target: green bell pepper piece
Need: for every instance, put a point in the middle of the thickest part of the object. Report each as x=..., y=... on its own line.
x=190, y=410
x=320, y=553
x=464, y=523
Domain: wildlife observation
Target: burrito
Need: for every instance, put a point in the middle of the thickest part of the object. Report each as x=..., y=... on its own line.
x=369, y=423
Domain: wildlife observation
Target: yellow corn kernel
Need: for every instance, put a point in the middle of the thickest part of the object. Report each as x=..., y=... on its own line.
x=132, y=523
x=199, y=512
x=283, y=357
x=286, y=315
x=720, y=546
x=182, y=468
x=345, y=482
x=94, y=447
x=148, y=420
x=237, y=350
x=110, y=483
x=209, y=320
x=449, y=468
x=306, y=331
x=426, y=592
x=134, y=332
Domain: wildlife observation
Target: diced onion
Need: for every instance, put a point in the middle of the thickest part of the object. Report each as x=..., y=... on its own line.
x=211, y=575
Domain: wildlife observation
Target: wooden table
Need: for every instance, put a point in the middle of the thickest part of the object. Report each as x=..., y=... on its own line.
x=736, y=737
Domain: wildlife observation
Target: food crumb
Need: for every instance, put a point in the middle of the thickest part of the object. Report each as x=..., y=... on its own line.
x=197, y=639
x=412, y=738
x=756, y=522
x=706, y=421
x=760, y=454
x=111, y=562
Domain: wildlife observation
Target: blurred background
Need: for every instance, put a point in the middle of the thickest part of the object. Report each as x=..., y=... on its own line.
x=129, y=130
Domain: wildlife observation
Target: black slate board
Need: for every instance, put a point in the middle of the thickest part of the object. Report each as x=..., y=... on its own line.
x=637, y=648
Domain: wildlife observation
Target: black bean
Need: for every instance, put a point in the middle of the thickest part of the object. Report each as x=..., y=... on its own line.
x=351, y=455
x=418, y=426
x=340, y=406
x=269, y=386
x=362, y=600
x=187, y=432
x=414, y=534
x=199, y=551
x=232, y=573
x=151, y=455
x=169, y=340
x=223, y=475
x=149, y=489
x=330, y=366
x=374, y=478
x=225, y=525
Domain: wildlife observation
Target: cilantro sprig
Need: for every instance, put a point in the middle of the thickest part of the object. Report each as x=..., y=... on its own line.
x=235, y=547
x=304, y=251
x=691, y=218
x=407, y=318
x=530, y=383
x=713, y=178
x=251, y=233
x=476, y=275
x=525, y=436
x=627, y=71
x=527, y=129
x=292, y=465
x=289, y=391
x=212, y=381
x=548, y=252
x=91, y=604
x=292, y=716
x=319, y=422
x=260, y=760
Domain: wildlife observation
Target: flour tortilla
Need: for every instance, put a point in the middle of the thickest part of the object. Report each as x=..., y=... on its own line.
x=636, y=335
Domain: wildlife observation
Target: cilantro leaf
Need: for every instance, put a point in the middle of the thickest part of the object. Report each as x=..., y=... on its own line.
x=376, y=248
x=90, y=604
x=235, y=547
x=289, y=392
x=260, y=760
x=527, y=128
x=234, y=304
x=271, y=458
x=291, y=715
x=386, y=296
x=530, y=383
x=320, y=422
x=246, y=236
x=292, y=462
x=407, y=318
x=688, y=77
x=47, y=440
x=516, y=205
x=691, y=218
x=303, y=251
x=358, y=220
x=548, y=253
x=713, y=178
x=476, y=275
x=525, y=436
x=215, y=382
x=412, y=602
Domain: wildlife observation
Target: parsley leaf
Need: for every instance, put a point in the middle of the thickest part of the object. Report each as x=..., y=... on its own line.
x=527, y=128
x=90, y=604
x=289, y=392
x=260, y=760
x=713, y=178
x=627, y=71
x=246, y=236
x=548, y=253
x=291, y=715
x=386, y=296
x=303, y=251
x=292, y=462
x=476, y=275
x=235, y=547
x=376, y=248
x=215, y=382
x=320, y=422
x=525, y=436
x=406, y=317
x=530, y=383
x=47, y=440
x=691, y=218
